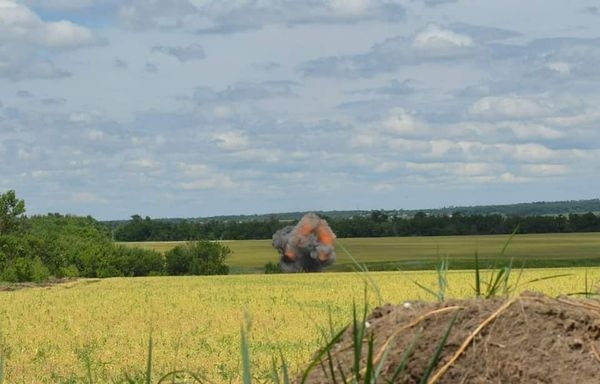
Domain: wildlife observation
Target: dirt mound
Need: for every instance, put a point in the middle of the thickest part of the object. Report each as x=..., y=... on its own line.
x=529, y=339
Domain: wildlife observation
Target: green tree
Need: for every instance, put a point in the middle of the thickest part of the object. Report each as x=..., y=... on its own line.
x=198, y=258
x=12, y=212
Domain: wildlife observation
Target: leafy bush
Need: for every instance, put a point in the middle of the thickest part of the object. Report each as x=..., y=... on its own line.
x=272, y=267
x=198, y=258
x=138, y=262
x=36, y=248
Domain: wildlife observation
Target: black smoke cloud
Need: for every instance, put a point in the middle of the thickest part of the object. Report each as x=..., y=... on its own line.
x=309, y=246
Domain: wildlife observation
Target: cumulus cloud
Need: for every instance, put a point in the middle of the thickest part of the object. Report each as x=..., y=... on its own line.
x=183, y=54
x=203, y=176
x=87, y=198
x=232, y=140
x=24, y=35
x=433, y=43
x=217, y=181
x=438, y=38
x=393, y=88
x=215, y=16
x=141, y=164
x=543, y=170
x=67, y=4
x=404, y=124
x=19, y=24
x=511, y=107
x=245, y=91
x=435, y=3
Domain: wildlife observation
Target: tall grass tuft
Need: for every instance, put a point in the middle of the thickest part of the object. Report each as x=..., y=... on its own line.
x=246, y=365
x=364, y=271
x=442, y=280
x=498, y=279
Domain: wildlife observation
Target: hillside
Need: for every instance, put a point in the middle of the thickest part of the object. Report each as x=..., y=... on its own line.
x=520, y=209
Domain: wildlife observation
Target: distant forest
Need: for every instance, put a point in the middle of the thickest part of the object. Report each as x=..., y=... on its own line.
x=538, y=217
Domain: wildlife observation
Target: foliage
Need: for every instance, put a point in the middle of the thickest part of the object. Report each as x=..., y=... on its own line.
x=377, y=223
x=198, y=258
x=12, y=211
x=272, y=267
x=53, y=245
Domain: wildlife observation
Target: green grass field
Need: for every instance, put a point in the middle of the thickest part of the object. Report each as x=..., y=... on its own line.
x=416, y=253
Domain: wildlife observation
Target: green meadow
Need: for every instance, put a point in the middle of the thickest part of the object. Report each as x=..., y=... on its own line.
x=425, y=252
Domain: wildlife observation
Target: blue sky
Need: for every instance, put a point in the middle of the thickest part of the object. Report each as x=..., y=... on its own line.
x=186, y=108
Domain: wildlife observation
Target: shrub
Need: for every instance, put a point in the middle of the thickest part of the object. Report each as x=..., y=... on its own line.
x=138, y=262
x=198, y=258
x=272, y=267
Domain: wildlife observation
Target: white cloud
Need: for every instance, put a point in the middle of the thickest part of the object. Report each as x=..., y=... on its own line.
x=28, y=43
x=194, y=170
x=436, y=37
x=67, y=4
x=542, y=170
x=218, y=181
x=87, y=198
x=232, y=140
x=94, y=134
x=560, y=67
x=215, y=16
x=404, y=124
x=510, y=107
x=350, y=7
x=183, y=54
x=474, y=169
x=523, y=130
x=19, y=24
x=142, y=164
x=431, y=44
x=530, y=152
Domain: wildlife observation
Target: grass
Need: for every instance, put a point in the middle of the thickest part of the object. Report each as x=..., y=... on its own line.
x=418, y=253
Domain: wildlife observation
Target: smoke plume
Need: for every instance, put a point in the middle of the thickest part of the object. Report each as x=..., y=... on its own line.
x=306, y=247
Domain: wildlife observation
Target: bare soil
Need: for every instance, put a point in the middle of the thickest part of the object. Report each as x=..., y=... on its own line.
x=528, y=339
x=49, y=283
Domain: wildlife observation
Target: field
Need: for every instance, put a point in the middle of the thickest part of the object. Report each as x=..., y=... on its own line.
x=417, y=253
x=55, y=334
x=99, y=329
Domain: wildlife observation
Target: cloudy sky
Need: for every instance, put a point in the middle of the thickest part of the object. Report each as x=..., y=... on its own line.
x=187, y=108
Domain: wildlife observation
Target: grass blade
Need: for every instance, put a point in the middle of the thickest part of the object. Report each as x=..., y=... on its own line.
x=406, y=356
x=149, y=362
x=428, y=290
x=369, y=372
x=365, y=271
x=274, y=371
x=477, y=275
x=325, y=350
x=436, y=356
x=173, y=375
x=2, y=361
x=247, y=375
x=331, y=368
x=284, y=368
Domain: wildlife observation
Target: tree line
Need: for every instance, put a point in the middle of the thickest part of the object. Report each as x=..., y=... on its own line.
x=377, y=223
x=48, y=246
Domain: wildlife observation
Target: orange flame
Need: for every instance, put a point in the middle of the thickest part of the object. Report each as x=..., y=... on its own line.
x=324, y=233
x=290, y=254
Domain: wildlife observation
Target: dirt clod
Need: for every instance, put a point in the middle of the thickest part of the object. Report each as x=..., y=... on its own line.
x=528, y=339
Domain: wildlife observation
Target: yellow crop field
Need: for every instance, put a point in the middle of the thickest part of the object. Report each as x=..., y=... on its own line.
x=54, y=334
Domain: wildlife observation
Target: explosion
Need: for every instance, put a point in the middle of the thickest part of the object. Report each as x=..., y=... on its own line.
x=306, y=247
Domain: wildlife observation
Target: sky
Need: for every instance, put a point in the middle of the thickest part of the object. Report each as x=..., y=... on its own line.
x=194, y=108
